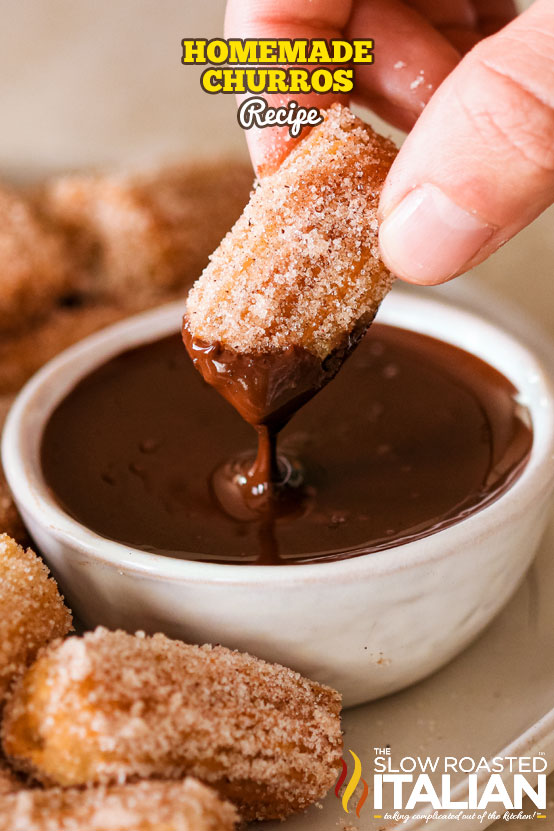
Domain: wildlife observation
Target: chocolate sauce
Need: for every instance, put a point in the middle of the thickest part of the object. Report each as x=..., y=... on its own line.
x=267, y=390
x=413, y=435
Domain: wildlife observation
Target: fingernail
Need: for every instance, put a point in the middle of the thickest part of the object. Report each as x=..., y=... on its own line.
x=428, y=238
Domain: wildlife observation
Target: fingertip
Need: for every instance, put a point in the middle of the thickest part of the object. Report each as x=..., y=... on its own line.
x=268, y=148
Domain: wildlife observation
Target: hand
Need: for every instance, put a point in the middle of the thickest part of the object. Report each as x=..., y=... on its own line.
x=478, y=164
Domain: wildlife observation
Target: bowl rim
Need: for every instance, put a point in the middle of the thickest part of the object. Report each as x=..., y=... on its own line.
x=26, y=421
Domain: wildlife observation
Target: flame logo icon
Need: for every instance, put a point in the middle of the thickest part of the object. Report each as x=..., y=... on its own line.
x=353, y=783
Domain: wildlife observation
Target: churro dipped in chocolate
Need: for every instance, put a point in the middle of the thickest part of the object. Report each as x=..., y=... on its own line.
x=296, y=282
x=112, y=706
x=186, y=805
x=32, y=610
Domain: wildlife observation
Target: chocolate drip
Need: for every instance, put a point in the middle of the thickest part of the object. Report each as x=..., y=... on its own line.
x=267, y=390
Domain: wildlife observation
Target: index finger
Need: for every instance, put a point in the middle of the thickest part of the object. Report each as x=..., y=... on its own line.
x=284, y=19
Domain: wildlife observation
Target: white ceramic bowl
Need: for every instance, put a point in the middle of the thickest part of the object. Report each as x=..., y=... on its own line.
x=369, y=625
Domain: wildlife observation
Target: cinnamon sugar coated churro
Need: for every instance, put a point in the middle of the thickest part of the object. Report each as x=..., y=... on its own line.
x=186, y=805
x=147, y=232
x=110, y=706
x=34, y=264
x=33, y=611
x=301, y=267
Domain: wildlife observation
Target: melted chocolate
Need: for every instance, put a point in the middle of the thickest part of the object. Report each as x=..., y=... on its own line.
x=267, y=390
x=413, y=435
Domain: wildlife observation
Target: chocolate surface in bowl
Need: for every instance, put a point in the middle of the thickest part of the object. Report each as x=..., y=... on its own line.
x=413, y=435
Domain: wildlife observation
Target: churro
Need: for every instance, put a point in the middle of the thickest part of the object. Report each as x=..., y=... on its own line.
x=301, y=267
x=147, y=233
x=34, y=262
x=111, y=706
x=33, y=611
x=185, y=805
x=297, y=281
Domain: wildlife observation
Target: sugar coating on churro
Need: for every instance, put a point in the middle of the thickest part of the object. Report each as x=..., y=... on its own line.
x=34, y=266
x=301, y=267
x=110, y=706
x=33, y=611
x=147, y=232
x=186, y=805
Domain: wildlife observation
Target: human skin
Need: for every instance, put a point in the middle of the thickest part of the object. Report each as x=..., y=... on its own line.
x=471, y=82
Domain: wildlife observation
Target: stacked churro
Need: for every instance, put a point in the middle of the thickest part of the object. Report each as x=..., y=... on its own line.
x=82, y=251
x=111, y=706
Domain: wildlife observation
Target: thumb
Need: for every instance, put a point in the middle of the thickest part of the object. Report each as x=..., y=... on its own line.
x=479, y=164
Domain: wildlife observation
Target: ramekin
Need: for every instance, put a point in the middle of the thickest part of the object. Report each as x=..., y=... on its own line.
x=369, y=625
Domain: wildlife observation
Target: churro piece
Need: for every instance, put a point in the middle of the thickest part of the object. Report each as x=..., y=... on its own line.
x=33, y=611
x=301, y=267
x=111, y=706
x=150, y=232
x=34, y=265
x=186, y=805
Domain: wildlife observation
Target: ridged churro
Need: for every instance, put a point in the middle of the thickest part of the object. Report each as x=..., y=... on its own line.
x=33, y=611
x=301, y=267
x=186, y=805
x=112, y=706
